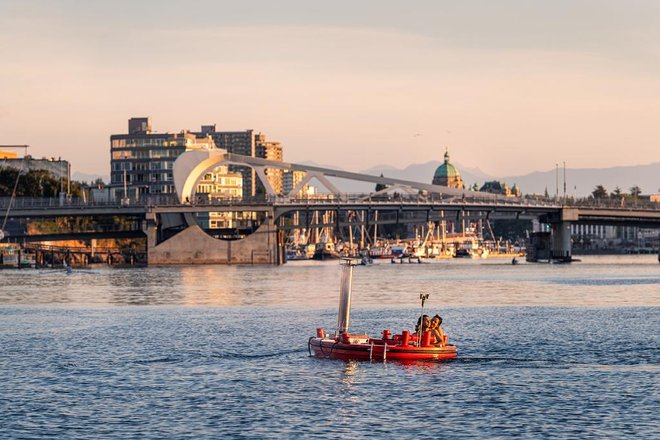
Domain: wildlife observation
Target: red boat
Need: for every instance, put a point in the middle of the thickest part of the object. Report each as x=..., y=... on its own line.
x=348, y=346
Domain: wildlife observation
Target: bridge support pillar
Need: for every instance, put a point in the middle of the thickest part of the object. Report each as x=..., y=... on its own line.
x=194, y=246
x=561, y=242
x=150, y=228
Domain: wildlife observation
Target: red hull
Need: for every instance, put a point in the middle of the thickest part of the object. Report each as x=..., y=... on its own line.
x=376, y=349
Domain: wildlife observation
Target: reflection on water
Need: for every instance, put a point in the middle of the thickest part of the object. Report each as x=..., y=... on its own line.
x=596, y=281
x=82, y=354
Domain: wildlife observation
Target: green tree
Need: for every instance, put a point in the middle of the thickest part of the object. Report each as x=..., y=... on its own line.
x=616, y=194
x=33, y=183
x=599, y=192
x=635, y=191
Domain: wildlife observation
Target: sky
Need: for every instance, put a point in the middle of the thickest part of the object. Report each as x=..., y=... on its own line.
x=510, y=87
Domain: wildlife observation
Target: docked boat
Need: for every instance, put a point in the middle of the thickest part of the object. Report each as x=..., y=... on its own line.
x=344, y=345
x=302, y=252
x=463, y=253
x=380, y=252
x=326, y=251
x=13, y=256
x=10, y=255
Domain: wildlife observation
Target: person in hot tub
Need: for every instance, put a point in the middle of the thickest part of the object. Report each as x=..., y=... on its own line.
x=436, y=331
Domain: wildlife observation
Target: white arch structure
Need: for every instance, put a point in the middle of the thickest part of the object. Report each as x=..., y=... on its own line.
x=190, y=167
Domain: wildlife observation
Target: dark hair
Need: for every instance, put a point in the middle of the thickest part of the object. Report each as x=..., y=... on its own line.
x=439, y=318
x=420, y=321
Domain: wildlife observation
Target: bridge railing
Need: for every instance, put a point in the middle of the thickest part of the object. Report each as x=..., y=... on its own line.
x=630, y=204
x=153, y=200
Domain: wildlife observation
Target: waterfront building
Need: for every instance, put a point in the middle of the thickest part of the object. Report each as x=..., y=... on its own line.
x=237, y=142
x=146, y=158
x=270, y=150
x=600, y=237
x=143, y=159
x=58, y=168
x=497, y=187
x=448, y=175
x=220, y=184
x=292, y=178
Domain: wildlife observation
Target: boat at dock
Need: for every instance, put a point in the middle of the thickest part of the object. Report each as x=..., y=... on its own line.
x=326, y=251
x=13, y=256
x=404, y=347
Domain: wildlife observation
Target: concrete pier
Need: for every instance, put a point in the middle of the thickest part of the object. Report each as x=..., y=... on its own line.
x=194, y=246
x=561, y=235
x=561, y=242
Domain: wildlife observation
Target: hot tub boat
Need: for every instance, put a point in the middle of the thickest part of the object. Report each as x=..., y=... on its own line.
x=399, y=347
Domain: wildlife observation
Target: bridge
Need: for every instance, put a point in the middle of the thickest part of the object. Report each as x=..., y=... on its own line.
x=173, y=235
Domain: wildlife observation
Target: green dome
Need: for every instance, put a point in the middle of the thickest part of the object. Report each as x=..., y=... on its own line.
x=446, y=169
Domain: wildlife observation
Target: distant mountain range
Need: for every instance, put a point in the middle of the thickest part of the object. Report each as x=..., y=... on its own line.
x=579, y=181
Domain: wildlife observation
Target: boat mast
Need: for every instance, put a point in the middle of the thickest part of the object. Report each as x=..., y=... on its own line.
x=344, y=315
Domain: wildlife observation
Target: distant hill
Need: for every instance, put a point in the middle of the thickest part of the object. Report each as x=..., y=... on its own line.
x=582, y=181
x=579, y=181
x=424, y=172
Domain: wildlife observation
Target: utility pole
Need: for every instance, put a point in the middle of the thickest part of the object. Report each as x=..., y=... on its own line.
x=564, y=182
x=556, y=182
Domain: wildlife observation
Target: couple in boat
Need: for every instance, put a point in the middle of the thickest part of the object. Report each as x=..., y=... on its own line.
x=426, y=323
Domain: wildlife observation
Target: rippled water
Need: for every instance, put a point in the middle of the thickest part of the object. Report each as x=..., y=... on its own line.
x=218, y=351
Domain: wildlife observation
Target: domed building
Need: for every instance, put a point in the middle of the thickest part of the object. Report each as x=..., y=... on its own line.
x=448, y=175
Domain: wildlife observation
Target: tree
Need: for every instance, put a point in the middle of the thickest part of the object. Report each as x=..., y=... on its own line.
x=635, y=191
x=599, y=192
x=475, y=187
x=33, y=183
x=616, y=194
x=545, y=194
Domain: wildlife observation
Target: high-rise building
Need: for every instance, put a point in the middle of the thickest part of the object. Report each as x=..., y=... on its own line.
x=144, y=159
x=272, y=151
x=292, y=178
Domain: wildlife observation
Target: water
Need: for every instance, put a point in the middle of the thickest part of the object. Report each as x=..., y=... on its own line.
x=221, y=351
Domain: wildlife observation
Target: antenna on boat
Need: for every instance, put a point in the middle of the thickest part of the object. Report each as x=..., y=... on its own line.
x=344, y=316
x=423, y=297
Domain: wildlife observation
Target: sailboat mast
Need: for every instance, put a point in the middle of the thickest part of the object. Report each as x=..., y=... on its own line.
x=344, y=316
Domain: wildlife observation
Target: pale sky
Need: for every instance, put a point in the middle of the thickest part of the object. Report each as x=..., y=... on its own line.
x=509, y=86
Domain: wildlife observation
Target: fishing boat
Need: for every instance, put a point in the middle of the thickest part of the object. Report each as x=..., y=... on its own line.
x=350, y=346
